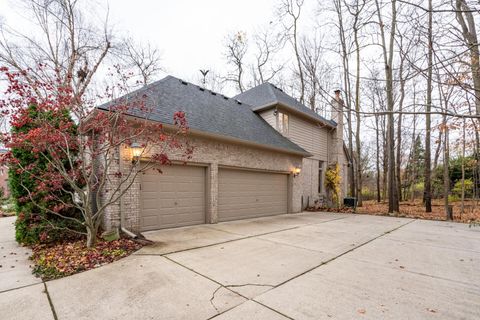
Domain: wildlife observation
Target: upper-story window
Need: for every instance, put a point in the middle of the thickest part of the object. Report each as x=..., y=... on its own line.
x=282, y=123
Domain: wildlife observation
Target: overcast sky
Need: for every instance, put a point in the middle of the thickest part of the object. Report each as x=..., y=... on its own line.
x=189, y=33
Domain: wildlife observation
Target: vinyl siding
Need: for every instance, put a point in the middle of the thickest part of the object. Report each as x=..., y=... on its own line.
x=268, y=116
x=309, y=136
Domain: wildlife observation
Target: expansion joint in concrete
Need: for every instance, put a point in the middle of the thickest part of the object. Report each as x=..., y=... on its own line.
x=50, y=302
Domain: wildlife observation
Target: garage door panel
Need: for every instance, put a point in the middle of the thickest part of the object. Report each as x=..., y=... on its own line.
x=247, y=194
x=174, y=198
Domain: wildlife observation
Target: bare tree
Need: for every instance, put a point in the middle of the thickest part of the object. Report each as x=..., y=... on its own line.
x=345, y=55
x=393, y=201
x=145, y=59
x=311, y=57
x=63, y=40
x=292, y=9
x=428, y=122
x=355, y=10
x=466, y=20
x=236, y=48
x=267, y=45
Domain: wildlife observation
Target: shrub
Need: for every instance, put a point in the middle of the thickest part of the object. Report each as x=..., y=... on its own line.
x=332, y=183
x=34, y=224
x=457, y=189
x=368, y=194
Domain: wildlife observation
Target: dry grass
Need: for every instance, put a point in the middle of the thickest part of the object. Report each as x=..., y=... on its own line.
x=417, y=210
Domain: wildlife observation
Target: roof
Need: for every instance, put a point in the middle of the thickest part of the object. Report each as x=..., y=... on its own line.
x=208, y=112
x=268, y=95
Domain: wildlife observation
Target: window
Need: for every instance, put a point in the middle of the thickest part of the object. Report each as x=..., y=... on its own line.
x=320, y=177
x=282, y=123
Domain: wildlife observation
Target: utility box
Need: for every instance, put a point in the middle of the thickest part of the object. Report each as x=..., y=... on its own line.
x=350, y=202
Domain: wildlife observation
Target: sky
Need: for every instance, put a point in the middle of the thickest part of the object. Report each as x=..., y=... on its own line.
x=189, y=33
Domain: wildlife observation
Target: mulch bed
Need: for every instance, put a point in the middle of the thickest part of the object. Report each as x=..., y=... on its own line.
x=415, y=210
x=326, y=209
x=64, y=259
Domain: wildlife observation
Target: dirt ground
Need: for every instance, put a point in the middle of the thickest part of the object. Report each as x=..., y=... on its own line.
x=417, y=210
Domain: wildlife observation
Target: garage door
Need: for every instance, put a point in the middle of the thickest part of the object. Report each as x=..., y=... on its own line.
x=172, y=199
x=248, y=194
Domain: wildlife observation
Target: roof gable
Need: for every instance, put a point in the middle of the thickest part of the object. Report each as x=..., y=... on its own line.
x=208, y=112
x=267, y=94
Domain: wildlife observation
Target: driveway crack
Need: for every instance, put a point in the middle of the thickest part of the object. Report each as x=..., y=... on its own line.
x=213, y=297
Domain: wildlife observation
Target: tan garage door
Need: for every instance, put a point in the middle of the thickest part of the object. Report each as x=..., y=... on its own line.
x=172, y=199
x=248, y=194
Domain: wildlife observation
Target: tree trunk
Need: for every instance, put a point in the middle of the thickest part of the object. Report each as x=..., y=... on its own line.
x=446, y=176
x=377, y=159
x=428, y=160
x=393, y=203
x=357, y=113
x=346, y=80
x=462, y=210
x=91, y=236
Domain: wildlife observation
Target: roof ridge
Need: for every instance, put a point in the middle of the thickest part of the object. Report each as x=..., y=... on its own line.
x=270, y=88
x=215, y=93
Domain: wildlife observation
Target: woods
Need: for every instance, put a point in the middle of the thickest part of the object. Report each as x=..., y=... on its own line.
x=409, y=73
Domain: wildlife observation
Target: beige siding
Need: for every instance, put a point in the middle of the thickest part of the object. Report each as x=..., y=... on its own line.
x=309, y=136
x=268, y=116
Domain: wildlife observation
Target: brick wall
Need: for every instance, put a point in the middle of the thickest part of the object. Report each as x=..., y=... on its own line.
x=211, y=153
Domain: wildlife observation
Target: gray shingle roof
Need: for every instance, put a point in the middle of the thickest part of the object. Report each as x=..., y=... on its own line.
x=267, y=94
x=208, y=112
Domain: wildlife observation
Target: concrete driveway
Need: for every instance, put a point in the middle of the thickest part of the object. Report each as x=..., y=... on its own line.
x=302, y=266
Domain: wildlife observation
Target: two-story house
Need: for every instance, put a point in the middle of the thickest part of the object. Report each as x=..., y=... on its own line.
x=321, y=137
x=261, y=153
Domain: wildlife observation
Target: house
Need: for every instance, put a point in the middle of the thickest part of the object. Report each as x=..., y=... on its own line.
x=320, y=137
x=259, y=154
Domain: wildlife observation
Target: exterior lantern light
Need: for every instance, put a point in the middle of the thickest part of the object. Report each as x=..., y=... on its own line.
x=137, y=151
x=296, y=171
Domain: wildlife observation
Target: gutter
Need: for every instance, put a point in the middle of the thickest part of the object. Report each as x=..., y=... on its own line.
x=293, y=110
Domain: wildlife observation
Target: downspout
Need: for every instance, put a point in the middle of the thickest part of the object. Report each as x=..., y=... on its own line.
x=122, y=216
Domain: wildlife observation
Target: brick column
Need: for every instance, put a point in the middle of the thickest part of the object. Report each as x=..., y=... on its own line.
x=212, y=193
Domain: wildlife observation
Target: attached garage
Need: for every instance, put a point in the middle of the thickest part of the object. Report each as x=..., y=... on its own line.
x=246, y=194
x=174, y=198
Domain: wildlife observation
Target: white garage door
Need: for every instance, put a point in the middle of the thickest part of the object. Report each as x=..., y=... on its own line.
x=172, y=199
x=247, y=194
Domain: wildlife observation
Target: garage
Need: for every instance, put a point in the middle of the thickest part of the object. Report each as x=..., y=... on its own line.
x=174, y=198
x=246, y=194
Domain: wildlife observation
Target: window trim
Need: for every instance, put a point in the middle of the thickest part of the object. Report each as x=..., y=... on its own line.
x=321, y=176
x=283, y=123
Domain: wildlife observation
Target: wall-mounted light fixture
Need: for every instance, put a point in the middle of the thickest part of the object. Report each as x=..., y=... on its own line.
x=296, y=171
x=137, y=151
x=275, y=112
